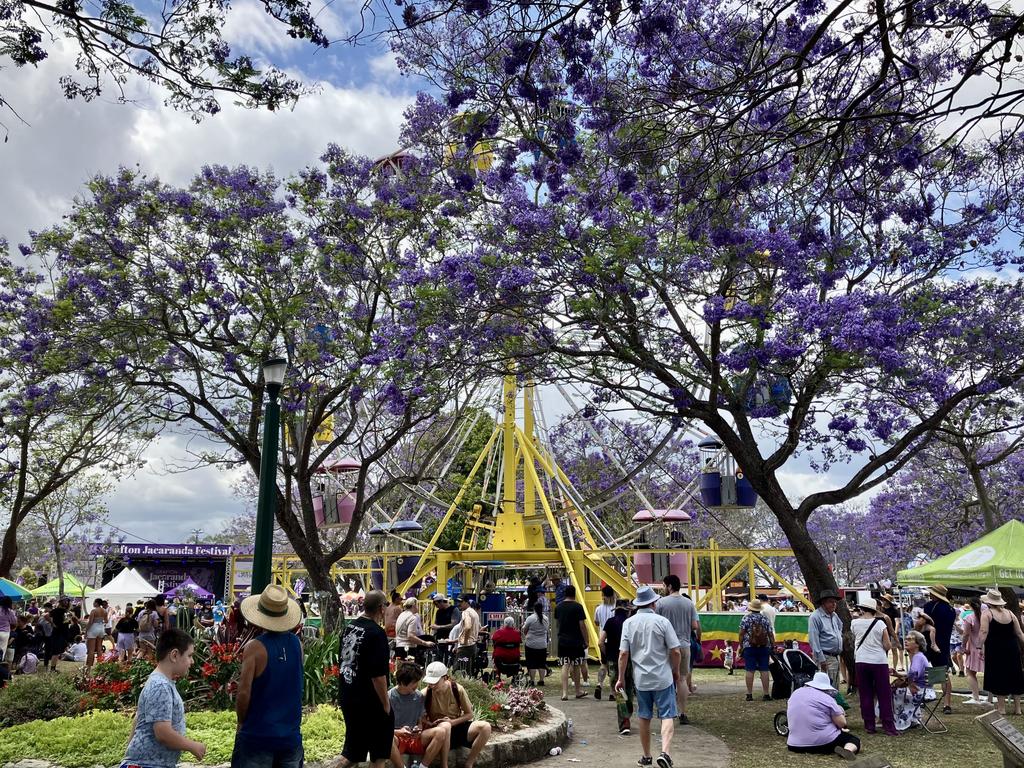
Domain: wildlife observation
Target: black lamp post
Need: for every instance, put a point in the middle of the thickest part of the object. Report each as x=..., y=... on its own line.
x=273, y=376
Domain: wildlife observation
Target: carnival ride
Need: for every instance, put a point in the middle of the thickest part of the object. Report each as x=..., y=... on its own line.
x=529, y=517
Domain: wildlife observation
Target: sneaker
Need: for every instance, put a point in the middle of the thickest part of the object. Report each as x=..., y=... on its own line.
x=541, y=683
x=766, y=697
x=684, y=720
x=663, y=761
x=947, y=710
x=624, y=732
x=645, y=761
x=750, y=697
x=597, y=694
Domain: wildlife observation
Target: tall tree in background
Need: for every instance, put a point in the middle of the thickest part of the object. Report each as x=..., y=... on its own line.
x=63, y=417
x=73, y=518
x=345, y=271
x=802, y=294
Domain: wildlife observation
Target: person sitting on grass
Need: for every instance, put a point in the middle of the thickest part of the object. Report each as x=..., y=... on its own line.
x=817, y=724
x=447, y=702
x=159, y=735
x=77, y=652
x=413, y=732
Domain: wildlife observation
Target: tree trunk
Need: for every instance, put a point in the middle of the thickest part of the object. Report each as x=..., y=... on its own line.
x=987, y=512
x=327, y=596
x=818, y=577
x=58, y=557
x=9, y=549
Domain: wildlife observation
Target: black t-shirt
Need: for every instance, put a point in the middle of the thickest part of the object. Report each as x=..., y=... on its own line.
x=613, y=633
x=127, y=625
x=59, y=618
x=364, y=656
x=569, y=614
x=944, y=617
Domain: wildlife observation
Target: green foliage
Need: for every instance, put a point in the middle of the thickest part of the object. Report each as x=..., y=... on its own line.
x=74, y=742
x=482, y=697
x=320, y=669
x=102, y=737
x=37, y=697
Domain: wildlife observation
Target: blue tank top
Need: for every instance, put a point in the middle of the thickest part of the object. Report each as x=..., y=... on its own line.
x=275, y=709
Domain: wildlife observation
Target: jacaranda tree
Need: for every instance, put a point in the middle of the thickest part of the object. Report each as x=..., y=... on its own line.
x=828, y=301
x=62, y=419
x=182, y=292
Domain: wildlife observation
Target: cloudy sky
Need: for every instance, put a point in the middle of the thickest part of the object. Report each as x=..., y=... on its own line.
x=61, y=144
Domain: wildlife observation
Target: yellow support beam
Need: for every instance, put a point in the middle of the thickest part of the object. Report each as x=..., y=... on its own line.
x=797, y=593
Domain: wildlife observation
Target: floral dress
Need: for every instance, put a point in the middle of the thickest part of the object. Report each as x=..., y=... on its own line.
x=906, y=705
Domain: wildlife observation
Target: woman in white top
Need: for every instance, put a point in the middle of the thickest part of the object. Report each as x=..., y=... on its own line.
x=408, y=629
x=871, y=652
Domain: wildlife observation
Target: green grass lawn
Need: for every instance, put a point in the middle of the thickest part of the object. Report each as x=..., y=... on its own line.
x=747, y=728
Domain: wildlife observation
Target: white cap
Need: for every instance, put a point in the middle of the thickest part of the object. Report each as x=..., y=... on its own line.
x=435, y=671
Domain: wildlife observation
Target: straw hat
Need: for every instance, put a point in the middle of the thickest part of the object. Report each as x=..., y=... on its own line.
x=992, y=597
x=867, y=604
x=272, y=610
x=939, y=592
x=755, y=606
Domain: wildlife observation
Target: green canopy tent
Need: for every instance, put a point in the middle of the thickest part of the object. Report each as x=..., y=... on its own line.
x=996, y=558
x=72, y=588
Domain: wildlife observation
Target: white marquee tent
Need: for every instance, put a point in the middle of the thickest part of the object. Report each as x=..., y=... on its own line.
x=127, y=587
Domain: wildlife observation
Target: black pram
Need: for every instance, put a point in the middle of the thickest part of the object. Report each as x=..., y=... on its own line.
x=790, y=669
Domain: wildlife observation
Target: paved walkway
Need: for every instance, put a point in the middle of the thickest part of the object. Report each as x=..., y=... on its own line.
x=596, y=741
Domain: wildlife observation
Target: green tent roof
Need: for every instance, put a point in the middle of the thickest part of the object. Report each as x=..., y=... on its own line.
x=995, y=558
x=72, y=587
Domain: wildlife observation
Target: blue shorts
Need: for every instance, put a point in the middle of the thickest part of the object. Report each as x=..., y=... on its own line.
x=665, y=700
x=756, y=659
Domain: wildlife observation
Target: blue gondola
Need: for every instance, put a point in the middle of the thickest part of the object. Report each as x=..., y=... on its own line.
x=722, y=482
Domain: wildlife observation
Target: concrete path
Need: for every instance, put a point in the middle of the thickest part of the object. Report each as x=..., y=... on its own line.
x=596, y=741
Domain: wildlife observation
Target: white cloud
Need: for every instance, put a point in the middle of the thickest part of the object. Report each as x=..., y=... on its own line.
x=248, y=26
x=46, y=162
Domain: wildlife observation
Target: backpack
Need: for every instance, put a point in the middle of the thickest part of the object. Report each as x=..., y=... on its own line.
x=146, y=622
x=758, y=634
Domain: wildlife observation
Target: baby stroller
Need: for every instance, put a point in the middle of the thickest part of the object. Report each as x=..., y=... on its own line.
x=789, y=670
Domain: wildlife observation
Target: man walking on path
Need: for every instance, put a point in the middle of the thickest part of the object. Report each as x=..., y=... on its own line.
x=944, y=617
x=572, y=641
x=682, y=614
x=757, y=636
x=825, y=634
x=650, y=642
x=363, y=687
x=470, y=634
x=269, y=701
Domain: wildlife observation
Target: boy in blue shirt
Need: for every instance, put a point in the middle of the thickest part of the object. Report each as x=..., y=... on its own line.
x=159, y=736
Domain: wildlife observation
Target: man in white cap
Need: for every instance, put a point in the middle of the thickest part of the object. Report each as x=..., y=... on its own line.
x=650, y=642
x=817, y=724
x=269, y=700
x=447, y=702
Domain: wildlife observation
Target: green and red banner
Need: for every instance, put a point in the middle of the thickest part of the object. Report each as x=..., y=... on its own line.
x=720, y=630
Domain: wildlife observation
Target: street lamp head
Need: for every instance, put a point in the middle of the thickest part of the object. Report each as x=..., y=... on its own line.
x=273, y=371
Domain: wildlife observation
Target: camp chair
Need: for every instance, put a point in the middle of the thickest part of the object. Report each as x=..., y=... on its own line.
x=935, y=679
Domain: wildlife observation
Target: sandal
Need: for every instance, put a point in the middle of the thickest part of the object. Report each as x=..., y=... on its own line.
x=581, y=695
x=565, y=698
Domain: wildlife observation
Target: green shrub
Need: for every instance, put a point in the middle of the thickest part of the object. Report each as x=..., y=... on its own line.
x=37, y=697
x=102, y=737
x=74, y=742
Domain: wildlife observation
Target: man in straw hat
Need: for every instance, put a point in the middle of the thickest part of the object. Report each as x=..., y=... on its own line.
x=825, y=635
x=650, y=642
x=269, y=702
x=363, y=686
x=817, y=724
x=943, y=617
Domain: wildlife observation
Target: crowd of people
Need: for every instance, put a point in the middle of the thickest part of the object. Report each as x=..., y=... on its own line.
x=39, y=634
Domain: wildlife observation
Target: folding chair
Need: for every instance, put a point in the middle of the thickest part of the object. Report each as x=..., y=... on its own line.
x=936, y=677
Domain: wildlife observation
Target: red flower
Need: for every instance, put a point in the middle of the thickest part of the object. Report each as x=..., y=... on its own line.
x=209, y=669
x=495, y=707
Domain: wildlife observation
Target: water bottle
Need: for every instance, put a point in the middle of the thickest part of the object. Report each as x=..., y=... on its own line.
x=555, y=751
x=568, y=728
